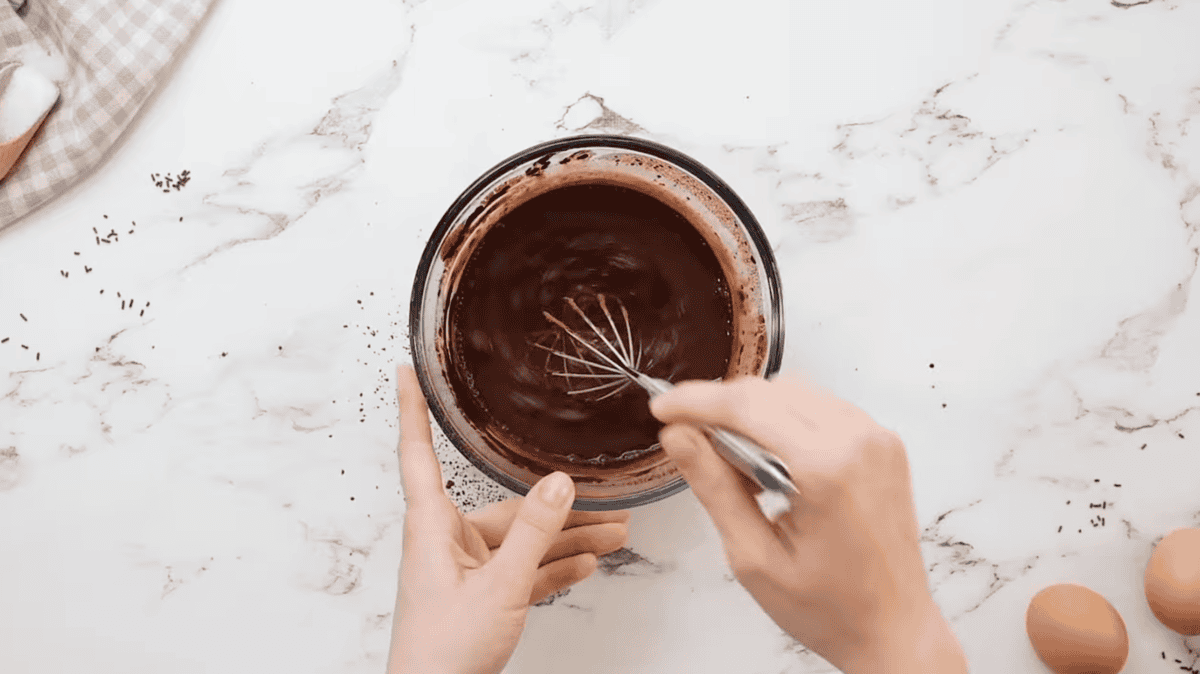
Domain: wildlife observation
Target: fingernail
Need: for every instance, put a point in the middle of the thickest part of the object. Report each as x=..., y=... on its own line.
x=556, y=489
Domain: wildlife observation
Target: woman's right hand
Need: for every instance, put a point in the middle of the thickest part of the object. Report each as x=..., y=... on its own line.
x=842, y=572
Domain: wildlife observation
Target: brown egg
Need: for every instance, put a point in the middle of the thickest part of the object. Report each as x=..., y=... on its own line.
x=1076, y=631
x=1173, y=581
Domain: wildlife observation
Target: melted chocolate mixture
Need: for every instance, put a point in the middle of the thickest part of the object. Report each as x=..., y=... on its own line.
x=576, y=242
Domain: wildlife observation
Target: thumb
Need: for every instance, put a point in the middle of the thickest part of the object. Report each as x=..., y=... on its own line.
x=538, y=521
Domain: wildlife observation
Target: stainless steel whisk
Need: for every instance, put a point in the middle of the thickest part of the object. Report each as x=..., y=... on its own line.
x=617, y=363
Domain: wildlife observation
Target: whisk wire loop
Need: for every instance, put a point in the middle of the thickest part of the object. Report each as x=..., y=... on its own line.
x=619, y=364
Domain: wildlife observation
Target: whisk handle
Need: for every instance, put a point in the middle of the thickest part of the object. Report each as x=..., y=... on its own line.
x=756, y=463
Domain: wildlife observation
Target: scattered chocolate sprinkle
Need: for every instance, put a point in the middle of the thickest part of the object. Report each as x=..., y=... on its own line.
x=76, y=252
x=25, y=347
x=1097, y=480
x=166, y=182
x=224, y=353
x=1116, y=484
x=87, y=269
x=142, y=312
x=1060, y=528
x=94, y=229
x=931, y=366
x=3, y=340
x=23, y=318
x=1144, y=446
x=122, y=304
x=39, y=355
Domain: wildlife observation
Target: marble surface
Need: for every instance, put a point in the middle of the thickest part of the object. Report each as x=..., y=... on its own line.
x=987, y=217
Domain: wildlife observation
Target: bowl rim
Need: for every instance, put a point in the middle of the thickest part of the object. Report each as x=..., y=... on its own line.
x=544, y=150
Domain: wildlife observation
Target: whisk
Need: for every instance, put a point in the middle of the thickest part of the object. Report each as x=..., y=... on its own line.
x=606, y=363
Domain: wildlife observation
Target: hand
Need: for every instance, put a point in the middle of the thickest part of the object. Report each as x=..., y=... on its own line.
x=842, y=572
x=467, y=581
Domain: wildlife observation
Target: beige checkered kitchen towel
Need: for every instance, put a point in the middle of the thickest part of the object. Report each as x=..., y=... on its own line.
x=106, y=56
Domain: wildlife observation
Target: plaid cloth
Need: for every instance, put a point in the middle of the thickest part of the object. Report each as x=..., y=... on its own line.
x=115, y=53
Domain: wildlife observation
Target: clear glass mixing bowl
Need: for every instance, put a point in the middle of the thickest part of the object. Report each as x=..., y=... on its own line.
x=653, y=169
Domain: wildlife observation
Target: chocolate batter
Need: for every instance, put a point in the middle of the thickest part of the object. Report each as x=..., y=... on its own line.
x=575, y=242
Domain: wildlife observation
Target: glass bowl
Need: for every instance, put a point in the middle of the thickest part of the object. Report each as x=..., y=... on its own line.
x=680, y=182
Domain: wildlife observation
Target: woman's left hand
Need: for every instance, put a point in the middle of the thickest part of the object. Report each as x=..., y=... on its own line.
x=467, y=581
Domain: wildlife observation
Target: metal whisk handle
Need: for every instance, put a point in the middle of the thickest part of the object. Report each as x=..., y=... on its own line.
x=756, y=463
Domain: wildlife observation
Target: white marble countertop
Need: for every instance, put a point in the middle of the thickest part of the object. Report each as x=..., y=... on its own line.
x=987, y=218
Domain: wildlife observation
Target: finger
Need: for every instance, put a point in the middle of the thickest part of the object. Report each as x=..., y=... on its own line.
x=492, y=521
x=749, y=406
x=420, y=472
x=561, y=574
x=474, y=544
x=539, y=520
x=598, y=539
x=721, y=490
x=580, y=518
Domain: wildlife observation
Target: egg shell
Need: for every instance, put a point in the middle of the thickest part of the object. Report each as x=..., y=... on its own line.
x=1074, y=630
x=1173, y=581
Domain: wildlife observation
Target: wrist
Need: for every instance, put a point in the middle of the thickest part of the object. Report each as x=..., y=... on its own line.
x=923, y=644
x=937, y=649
